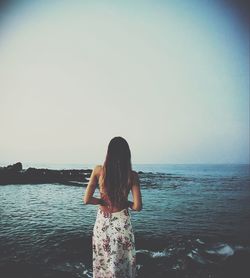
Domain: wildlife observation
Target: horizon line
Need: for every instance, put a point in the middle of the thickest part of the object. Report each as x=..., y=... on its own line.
x=5, y=164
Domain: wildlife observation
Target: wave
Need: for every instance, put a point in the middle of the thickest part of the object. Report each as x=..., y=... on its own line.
x=203, y=253
x=222, y=250
x=153, y=254
x=195, y=259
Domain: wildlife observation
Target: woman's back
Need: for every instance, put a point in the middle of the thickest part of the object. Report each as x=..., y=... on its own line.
x=104, y=194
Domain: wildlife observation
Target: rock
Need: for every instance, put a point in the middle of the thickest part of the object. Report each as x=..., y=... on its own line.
x=14, y=174
x=17, y=167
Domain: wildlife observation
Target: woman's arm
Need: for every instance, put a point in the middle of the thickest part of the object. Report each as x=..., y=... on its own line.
x=136, y=193
x=88, y=196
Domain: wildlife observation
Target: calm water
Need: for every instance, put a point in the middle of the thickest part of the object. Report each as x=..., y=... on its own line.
x=195, y=223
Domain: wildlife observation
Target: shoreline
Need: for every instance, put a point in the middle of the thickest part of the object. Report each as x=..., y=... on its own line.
x=15, y=174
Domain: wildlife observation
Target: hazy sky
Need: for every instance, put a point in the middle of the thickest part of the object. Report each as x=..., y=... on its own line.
x=171, y=77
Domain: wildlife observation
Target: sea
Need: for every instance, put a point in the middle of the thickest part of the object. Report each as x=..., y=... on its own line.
x=195, y=223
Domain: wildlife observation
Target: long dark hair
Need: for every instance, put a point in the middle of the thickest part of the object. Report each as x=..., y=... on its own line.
x=117, y=171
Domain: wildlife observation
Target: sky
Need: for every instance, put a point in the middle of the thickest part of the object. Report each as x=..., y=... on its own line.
x=171, y=77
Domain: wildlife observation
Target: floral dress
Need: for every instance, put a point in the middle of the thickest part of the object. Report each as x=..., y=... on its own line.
x=113, y=246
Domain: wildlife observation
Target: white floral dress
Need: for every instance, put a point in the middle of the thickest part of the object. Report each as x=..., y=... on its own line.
x=113, y=246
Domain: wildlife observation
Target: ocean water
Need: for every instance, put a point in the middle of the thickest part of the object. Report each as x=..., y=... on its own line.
x=195, y=222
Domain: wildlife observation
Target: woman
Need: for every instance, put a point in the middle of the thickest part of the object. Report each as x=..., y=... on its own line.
x=113, y=237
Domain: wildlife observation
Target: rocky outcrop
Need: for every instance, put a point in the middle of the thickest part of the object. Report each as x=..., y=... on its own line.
x=15, y=174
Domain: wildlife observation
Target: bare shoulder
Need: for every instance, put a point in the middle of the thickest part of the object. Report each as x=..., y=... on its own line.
x=98, y=167
x=97, y=171
x=134, y=173
x=135, y=177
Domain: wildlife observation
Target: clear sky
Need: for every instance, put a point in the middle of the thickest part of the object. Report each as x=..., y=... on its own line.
x=171, y=77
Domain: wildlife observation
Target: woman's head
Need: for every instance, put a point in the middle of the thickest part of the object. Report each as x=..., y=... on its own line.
x=117, y=170
x=118, y=151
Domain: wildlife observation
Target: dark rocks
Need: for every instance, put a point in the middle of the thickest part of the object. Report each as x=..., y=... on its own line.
x=14, y=174
x=15, y=167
